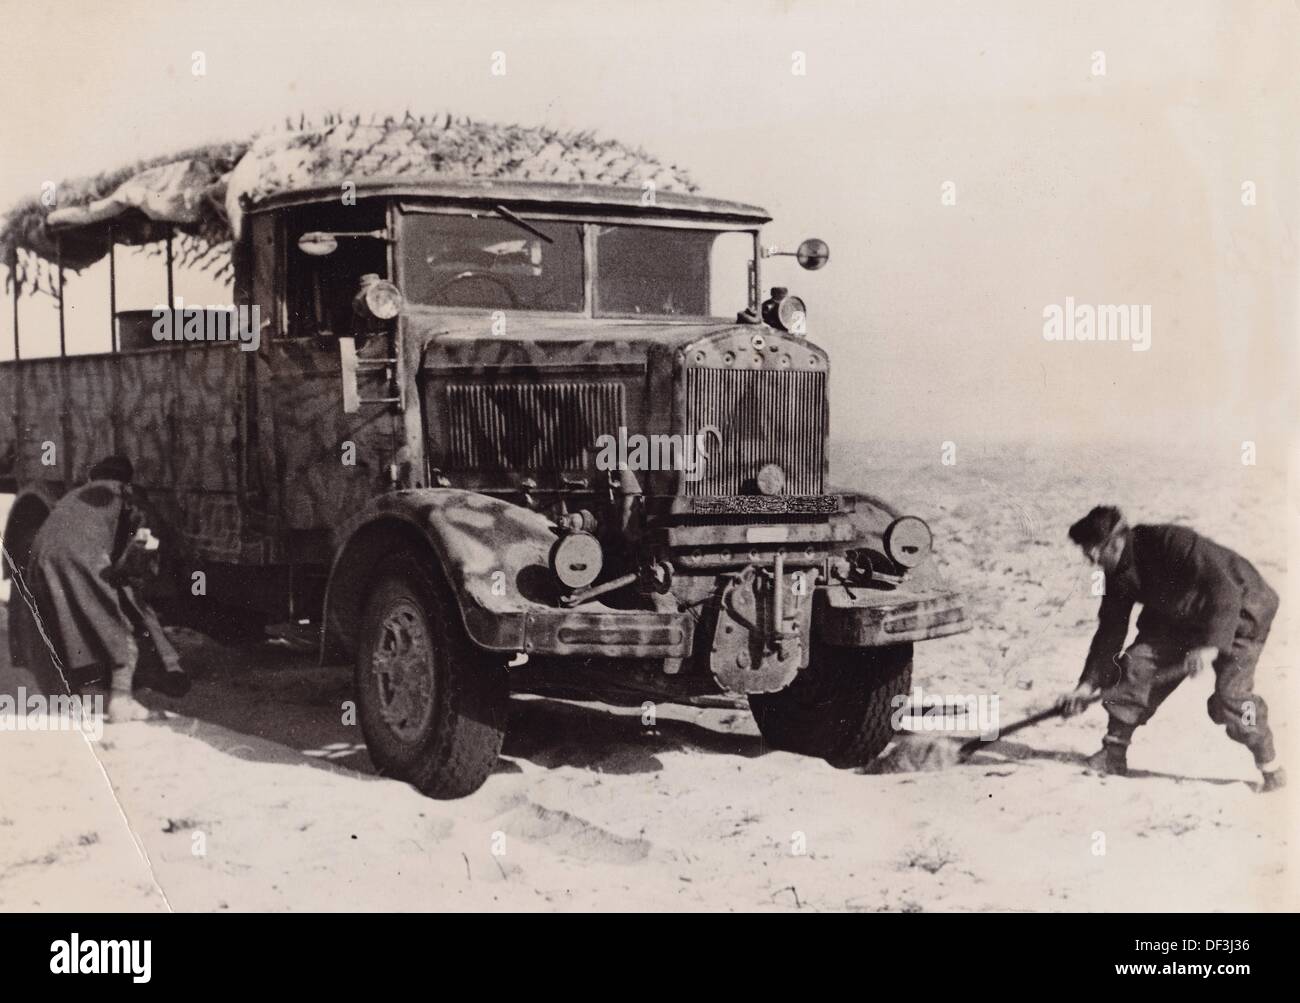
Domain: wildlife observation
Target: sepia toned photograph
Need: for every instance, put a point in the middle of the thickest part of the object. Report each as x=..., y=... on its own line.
x=787, y=456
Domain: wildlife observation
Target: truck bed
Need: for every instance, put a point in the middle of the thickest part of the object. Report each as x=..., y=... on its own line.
x=173, y=410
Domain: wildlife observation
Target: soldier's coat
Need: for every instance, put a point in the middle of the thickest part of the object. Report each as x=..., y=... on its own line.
x=1194, y=594
x=85, y=609
x=1192, y=591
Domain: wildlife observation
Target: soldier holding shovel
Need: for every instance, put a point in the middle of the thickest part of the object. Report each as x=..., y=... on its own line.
x=88, y=561
x=1203, y=606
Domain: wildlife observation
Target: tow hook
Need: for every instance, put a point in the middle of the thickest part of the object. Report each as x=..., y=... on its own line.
x=750, y=653
x=779, y=633
x=781, y=636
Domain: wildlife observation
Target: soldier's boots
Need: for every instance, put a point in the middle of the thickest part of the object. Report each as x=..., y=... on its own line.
x=122, y=704
x=1274, y=780
x=1111, y=759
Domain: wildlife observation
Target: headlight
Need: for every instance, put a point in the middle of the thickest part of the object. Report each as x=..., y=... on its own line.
x=377, y=298
x=785, y=312
x=908, y=541
x=793, y=315
x=576, y=560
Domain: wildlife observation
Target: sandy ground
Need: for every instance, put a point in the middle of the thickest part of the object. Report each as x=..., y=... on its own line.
x=253, y=795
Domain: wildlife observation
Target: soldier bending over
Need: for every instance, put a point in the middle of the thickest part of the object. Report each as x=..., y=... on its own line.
x=88, y=561
x=1203, y=606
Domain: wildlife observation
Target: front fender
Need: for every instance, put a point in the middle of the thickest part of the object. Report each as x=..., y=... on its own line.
x=920, y=607
x=492, y=554
x=869, y=516
x=495, y=557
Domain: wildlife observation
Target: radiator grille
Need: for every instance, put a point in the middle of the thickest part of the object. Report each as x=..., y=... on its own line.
x=530, y=426
x=765, y=416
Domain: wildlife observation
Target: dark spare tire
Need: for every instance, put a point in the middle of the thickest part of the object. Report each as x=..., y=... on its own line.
x=432, y=705
x=840, y=707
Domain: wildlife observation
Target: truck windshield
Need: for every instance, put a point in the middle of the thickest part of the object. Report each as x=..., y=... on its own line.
x=492, y=261
x=666, y=272
x=488, y=262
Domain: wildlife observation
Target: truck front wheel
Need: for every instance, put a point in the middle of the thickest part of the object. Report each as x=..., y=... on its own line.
x=432, y=705
x=840, y=707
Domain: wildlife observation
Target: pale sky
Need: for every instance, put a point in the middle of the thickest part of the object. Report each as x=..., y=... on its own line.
x=1115, y=188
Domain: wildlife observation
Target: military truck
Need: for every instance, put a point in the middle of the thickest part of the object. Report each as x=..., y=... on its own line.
x=500, y=433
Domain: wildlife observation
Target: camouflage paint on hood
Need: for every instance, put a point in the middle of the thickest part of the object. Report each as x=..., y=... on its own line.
x=468, y=341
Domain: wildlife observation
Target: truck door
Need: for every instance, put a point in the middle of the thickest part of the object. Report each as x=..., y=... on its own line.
x=329, y=463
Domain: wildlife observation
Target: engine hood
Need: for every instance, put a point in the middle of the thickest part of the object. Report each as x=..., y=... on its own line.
x=537, y=400
x=446, y=341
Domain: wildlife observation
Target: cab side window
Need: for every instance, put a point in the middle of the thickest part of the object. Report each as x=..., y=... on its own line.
x=320, y=288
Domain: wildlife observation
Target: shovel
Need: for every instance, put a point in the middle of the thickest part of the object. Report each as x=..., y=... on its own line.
x=920, y=754
x=968, y=748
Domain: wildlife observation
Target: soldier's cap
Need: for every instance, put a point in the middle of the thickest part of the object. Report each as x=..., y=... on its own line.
x=1098, y=526
x=113, y=468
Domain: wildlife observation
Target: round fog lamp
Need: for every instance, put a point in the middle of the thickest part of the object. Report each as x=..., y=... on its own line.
x=576, y=560
x=908, y=541
x=770, y=480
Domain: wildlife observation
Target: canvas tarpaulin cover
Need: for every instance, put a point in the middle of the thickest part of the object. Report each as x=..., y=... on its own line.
x=203, y=193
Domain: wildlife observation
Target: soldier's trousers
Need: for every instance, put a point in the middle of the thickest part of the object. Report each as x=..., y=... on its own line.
x=1234, y=703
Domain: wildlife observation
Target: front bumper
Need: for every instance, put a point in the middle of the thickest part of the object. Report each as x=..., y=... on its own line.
x=592, y=630
x=852, y=616
x=845, y=616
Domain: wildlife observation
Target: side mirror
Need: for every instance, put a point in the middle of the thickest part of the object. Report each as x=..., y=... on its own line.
x=321, y=243
x=813, y=254
x=317, y=244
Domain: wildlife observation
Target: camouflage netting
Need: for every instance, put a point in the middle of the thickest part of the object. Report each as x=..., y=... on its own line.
x=201, y=192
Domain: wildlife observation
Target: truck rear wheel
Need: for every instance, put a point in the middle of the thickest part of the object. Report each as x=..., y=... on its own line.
x=432, y=705
x=840, y=707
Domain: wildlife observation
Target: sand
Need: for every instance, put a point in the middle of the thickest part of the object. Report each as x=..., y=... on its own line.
x=253, y=794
